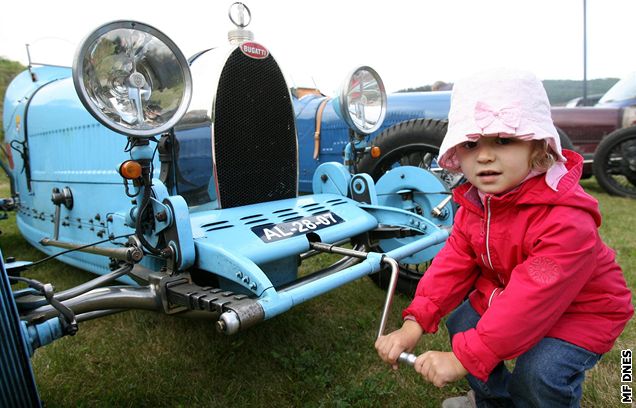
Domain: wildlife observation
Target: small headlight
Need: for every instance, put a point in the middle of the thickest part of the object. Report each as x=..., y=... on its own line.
x=132, y=78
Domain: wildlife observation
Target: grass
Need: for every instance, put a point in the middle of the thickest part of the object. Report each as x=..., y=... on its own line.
x=318, y=354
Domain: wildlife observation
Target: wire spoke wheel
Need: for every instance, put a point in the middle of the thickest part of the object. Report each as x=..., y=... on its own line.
x=615, y=163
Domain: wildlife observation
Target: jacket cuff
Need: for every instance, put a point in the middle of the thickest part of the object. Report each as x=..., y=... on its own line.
x=474, y=355
x=425, y=312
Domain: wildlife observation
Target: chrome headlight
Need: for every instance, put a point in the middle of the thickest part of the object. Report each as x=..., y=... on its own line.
x=132, y=78
x=362, y=100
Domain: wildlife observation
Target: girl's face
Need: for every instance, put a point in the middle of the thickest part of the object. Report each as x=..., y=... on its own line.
x=493, y=164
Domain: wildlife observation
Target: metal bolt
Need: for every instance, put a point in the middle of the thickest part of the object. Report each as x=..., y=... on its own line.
x=220, y=326
x=109, y=218
x=324, y=178
x=136, y=255
x=161, y=216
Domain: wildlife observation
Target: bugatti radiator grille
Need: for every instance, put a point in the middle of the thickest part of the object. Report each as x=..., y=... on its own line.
x=17, y=385
x=254, y=133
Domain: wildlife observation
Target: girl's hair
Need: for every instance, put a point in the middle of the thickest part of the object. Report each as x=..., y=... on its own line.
x=542, y=157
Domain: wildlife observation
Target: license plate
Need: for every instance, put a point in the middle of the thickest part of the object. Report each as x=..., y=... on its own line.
x=276, y=232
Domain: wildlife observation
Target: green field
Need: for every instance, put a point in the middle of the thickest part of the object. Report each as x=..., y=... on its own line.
x=318, y=354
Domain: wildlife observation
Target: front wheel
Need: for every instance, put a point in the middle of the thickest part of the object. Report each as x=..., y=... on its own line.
x=615, y=163
x=415, y=142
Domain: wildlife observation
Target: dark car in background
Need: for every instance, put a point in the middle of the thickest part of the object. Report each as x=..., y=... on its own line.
x=586, y=126
x=605, y=134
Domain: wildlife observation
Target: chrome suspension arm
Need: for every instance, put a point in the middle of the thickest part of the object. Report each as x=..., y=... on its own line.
x=118, y=297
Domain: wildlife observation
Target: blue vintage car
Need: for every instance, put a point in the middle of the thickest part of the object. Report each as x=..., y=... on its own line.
x=415, y=122
x=176, y=182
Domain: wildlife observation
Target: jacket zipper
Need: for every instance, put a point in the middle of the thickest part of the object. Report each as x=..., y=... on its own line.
x=488, y=214
x=488, y=232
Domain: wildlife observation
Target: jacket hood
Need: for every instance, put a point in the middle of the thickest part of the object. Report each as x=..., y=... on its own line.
x=535, y=191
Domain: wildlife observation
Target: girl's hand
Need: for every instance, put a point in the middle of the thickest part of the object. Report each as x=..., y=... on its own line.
x=390, y=346
x=440, y=368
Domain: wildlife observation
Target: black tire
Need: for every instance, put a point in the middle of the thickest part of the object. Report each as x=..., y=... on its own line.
x=615, y=163
x=415, y=142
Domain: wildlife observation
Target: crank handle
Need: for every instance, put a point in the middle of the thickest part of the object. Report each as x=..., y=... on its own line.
x=406, y=358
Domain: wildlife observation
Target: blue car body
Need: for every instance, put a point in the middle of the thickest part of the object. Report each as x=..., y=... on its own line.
x=249, y=245
x=334, y=134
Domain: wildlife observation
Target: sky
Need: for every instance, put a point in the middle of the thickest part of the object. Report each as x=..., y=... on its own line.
x=409, y=42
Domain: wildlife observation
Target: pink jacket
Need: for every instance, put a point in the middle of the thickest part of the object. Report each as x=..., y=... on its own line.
x=537, y=268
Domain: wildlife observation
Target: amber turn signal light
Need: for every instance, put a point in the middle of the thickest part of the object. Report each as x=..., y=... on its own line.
x=375, y=152
x=130, y=170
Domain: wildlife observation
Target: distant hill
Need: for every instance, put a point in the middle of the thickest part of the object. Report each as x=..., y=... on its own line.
x=559, y=90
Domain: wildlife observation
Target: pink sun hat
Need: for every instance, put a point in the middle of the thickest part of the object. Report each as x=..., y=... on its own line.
x=510, y=103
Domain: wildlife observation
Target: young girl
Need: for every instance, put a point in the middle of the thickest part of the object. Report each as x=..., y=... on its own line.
x=542, y=287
